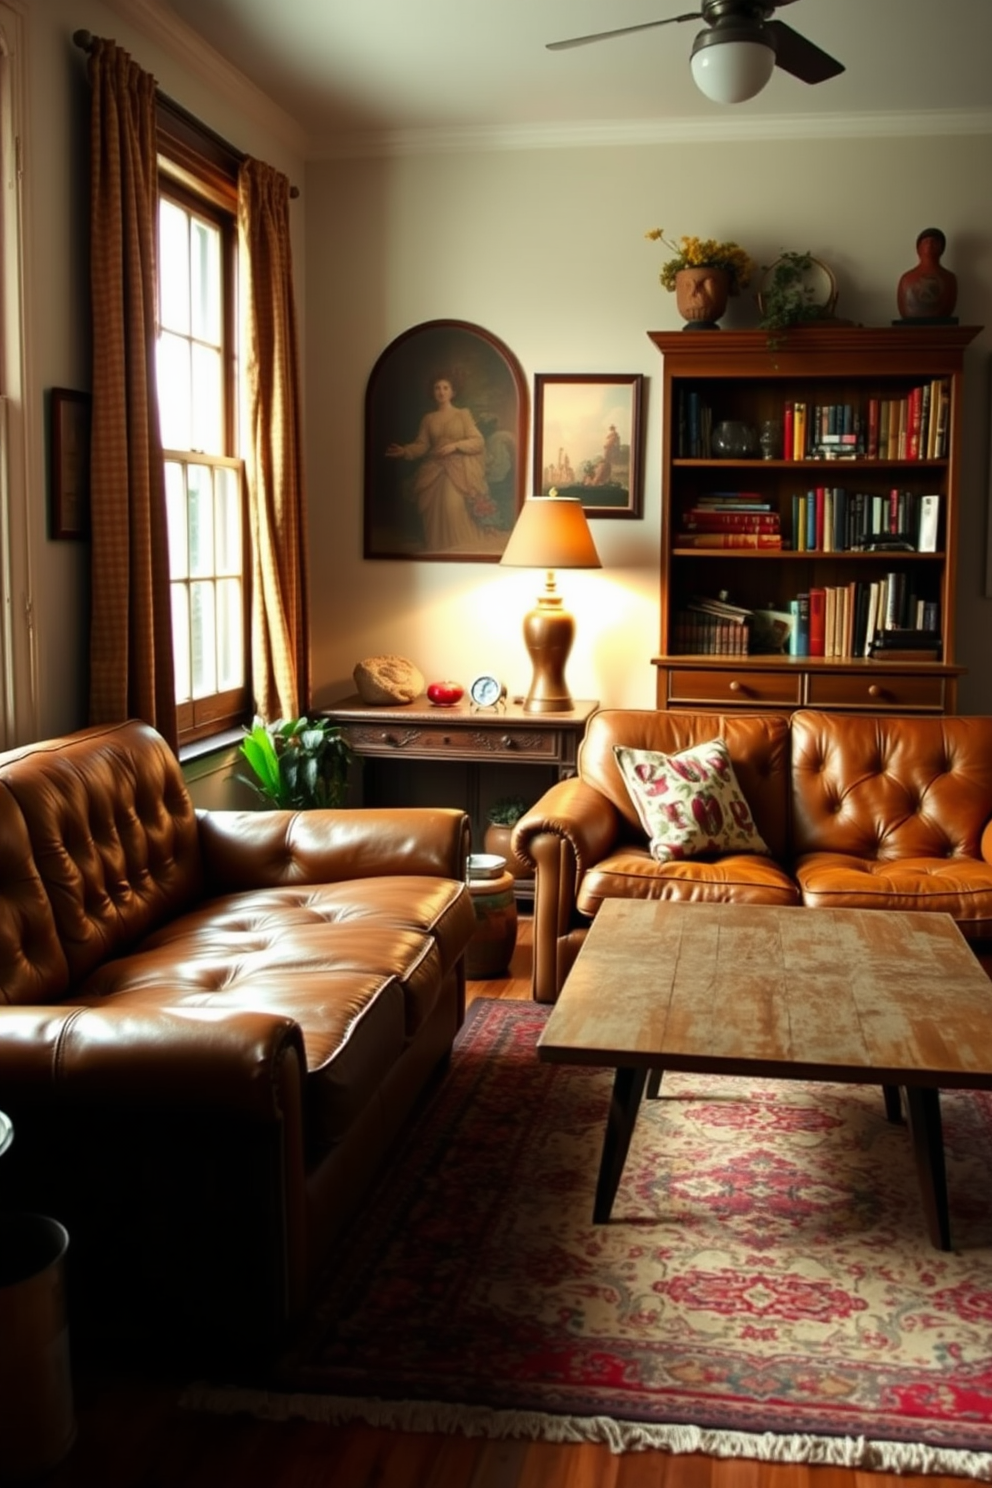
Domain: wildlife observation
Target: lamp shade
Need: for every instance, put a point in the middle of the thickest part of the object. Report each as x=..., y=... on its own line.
x=729, y=68
x=551, y=532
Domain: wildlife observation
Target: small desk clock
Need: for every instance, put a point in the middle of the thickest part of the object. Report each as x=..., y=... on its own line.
x=487, y=691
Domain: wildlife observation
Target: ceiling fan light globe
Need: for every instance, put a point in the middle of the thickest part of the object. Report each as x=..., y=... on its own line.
x=729, y=70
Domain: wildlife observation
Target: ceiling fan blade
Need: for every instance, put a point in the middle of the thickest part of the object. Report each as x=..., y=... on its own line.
x=793, y=53
x=561, y=46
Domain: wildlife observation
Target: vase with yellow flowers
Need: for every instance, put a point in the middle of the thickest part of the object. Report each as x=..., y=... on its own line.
x=703, y=274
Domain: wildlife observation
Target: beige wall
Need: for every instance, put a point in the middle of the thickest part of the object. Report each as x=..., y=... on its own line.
x=543, y=248
x=546, y=250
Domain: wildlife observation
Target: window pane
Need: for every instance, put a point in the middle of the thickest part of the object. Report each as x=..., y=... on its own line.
x=201, y=519
x=174, y=392
x=175, y=504
x=207, y=401
x=173, y=238
x=205, y=277
x=228, y=525
x=180, y=641
x=204, y=637
x=230, y=634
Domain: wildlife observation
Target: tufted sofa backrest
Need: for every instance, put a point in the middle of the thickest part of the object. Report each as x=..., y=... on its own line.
x=759, y=750
x=888, y=787
x=113, y=841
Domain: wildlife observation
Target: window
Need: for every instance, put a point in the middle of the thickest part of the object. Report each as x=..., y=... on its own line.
x=198, y=401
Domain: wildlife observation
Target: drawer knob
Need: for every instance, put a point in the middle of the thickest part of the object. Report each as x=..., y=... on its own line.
x=736, y=686
x=874, y=690
x=388, y=738
x=508, y=742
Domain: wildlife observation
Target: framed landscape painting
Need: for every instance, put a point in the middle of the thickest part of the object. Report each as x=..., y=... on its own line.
x=587, y=440
x=445, y=445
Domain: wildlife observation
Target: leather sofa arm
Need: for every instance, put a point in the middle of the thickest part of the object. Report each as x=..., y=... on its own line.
x=987, y=843
x=248, y=1065
x=263, y=849
x=571, y=827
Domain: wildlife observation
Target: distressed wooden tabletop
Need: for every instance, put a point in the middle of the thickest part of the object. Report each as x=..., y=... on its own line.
x=847, y=995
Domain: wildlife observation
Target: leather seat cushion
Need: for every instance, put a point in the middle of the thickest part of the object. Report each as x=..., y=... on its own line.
x=409, y=927
x=958, y=886
x=631, y=873
x=358, y=969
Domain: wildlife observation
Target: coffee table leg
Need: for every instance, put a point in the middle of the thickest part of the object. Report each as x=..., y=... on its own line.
x=628, y=1087
x=893, y=1105
x=928, y=1150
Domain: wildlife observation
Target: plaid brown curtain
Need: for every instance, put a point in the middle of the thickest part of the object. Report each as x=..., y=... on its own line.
x=277, y=501
x=131, y=665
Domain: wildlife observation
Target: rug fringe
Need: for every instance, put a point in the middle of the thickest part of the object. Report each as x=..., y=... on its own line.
x=619, y=1436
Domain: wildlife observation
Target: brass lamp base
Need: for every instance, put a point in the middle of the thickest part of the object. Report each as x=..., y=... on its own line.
x=548, y=634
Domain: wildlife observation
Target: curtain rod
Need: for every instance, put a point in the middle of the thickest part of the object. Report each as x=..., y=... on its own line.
x=85, y=40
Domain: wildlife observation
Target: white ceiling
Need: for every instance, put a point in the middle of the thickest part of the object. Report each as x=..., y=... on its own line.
x=361, y=68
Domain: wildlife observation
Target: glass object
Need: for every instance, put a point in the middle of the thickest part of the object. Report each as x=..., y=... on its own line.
x=733, y=440
x=770, y=439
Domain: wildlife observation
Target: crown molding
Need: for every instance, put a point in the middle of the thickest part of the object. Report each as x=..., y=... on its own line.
x=188, y=47
x=583, y=134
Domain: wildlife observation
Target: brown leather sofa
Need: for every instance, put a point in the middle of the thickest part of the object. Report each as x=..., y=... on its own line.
x=857, y=811
x=212, y=1026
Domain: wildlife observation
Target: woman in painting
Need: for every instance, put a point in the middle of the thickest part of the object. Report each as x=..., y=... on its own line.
x=450, y=486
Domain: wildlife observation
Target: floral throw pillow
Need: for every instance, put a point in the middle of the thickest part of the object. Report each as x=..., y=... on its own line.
x=689, y=803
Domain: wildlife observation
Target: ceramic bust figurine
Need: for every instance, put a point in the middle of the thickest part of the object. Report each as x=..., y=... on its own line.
x=928, y=291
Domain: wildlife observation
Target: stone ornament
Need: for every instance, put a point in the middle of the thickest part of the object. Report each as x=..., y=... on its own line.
x=388, y=679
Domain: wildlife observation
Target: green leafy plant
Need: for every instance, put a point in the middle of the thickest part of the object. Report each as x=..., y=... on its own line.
x=296, y=764
x=506, y=811
x=703, y=253
x=786, y=297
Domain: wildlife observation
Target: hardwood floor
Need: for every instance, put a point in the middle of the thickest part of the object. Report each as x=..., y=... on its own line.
x=132, y=1435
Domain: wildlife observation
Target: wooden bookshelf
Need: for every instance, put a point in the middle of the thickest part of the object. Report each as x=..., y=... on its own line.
x=738, y=376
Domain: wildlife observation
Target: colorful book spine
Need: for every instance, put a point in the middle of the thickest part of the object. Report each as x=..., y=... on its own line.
x=817, y=621
x=729, y=540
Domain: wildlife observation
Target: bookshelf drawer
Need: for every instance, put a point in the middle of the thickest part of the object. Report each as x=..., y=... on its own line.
x=735, y=687
x=876, y=690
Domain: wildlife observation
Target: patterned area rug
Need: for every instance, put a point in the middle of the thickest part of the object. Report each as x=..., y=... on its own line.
x=765, y=1287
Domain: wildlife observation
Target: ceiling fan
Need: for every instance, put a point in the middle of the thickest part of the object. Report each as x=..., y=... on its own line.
x=735, y=57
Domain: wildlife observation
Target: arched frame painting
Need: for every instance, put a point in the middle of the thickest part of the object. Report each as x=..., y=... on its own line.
x=445, y=445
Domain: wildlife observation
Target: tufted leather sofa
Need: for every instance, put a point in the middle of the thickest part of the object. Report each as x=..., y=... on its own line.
x=859, y=811
x=212, y=1025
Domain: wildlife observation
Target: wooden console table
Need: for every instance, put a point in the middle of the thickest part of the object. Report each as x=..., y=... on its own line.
x=473, y=737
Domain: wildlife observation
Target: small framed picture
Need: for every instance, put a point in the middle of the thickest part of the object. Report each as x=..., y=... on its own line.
x=587, y=440
x=70, y=463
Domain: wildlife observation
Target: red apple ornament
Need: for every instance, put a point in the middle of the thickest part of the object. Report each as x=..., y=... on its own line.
x=445, y=694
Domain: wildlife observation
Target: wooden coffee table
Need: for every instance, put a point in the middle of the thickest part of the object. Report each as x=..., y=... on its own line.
x=862, y=997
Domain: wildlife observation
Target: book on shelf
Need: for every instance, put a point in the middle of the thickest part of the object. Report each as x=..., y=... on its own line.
x=799, y=635
x=707, y=519
x=719, y=607
x=817, y=621
x=929, y=518
x=696, y=539
x=701, y=632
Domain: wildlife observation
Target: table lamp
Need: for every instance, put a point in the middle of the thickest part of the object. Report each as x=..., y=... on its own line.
x=550, y=532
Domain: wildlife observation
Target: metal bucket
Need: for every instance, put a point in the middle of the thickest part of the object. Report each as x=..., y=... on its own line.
x=37, y=1419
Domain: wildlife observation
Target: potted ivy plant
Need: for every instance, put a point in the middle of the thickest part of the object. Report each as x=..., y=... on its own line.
x=502, y=817
x=795, y=290
x=296, y=764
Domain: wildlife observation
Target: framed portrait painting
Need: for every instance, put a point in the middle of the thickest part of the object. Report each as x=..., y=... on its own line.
x=445, y=445
x=587, y=440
